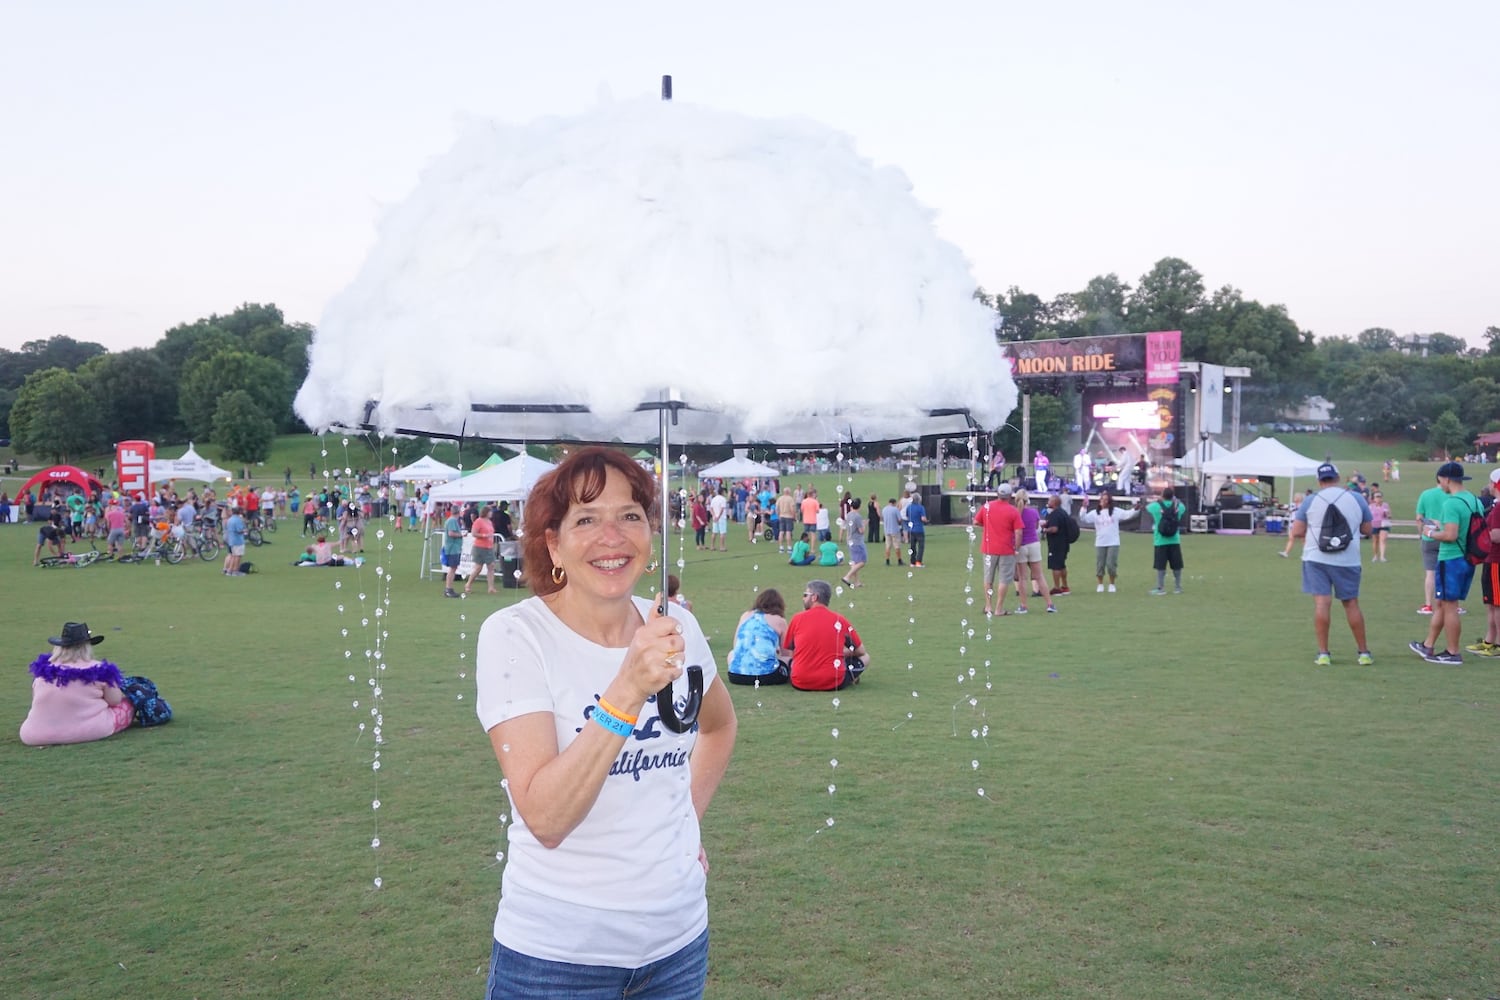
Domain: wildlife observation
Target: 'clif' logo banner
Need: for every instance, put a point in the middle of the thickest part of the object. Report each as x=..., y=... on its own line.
x=133, y=462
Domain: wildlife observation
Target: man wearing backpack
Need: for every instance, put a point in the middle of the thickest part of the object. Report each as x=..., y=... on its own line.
x=1330, y=557
x=1061, y=531
x=1489, y=579
x=1454, y=572
x=1168, y=513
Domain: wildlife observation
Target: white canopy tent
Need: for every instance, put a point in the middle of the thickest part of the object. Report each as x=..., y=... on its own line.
x=1263, y=457
x=424, y=469
x=1207, y=452
x=510, y=480
x=738, y=467
x=190, y=466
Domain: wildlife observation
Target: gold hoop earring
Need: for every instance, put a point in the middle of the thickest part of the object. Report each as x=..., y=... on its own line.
x=559, y=575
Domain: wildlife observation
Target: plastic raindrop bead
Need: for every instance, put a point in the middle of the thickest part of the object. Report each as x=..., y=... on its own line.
x=379, y=881
x=974, y=764
x=834, y=732
x=834, y=762
x=832, y=789
x=375, y=842
x=375, y=804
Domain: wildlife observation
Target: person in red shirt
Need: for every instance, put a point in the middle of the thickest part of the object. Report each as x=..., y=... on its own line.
x=1002, y=536
x=822, y=645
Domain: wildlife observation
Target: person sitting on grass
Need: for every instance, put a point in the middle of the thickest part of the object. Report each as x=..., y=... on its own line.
x=75, y=697
x=802, y=551
x=757, y=639
x=829, y=554
x=825, y=651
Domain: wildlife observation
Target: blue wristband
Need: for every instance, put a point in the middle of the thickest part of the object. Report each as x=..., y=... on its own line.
x=617, y=726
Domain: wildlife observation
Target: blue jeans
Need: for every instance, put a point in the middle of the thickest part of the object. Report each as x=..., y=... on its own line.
x=680, y=976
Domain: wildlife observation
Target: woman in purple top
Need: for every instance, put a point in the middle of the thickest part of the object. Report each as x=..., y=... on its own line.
x=1029, y=554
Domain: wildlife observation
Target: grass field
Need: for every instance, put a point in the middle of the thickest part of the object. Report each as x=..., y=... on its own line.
x=1175, y=801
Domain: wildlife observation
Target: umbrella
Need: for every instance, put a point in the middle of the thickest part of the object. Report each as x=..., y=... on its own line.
x=567, y=266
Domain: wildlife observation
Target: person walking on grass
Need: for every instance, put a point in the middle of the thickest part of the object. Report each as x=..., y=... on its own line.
x=916, y=530
x=890, y=523
x=1327, y=575
x=854, y=524
x=453, y=548
x=1489, y=580
x=1060, y=530
x=1454, y=574
x=1169, y=513
x=1029, y=552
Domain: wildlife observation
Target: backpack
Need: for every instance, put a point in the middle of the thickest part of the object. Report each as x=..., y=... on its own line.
x=1334, y=533
x=1167, y=523
x=1477, y=544
x=1070, y=528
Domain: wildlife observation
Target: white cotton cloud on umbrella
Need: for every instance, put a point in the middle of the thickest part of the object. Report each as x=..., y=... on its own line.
x=780, y=286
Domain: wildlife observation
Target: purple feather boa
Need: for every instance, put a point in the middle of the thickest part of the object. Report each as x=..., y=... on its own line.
x=44, y=668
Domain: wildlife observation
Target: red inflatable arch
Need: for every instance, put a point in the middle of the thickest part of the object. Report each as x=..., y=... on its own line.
x=61, y=474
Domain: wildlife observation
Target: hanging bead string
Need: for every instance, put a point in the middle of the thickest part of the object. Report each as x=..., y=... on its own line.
x=976, y=685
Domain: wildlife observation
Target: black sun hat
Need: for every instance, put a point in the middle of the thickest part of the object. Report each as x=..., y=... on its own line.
x=76, y=634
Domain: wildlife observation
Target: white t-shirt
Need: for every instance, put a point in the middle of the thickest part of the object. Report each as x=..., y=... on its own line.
x=625, y=887
x=718, y=505
x=1106, y=525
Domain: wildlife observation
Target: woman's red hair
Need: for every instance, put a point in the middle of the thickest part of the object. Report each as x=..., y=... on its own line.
x=580, y=478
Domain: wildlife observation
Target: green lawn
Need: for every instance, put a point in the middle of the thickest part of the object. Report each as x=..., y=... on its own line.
x=1175, y=801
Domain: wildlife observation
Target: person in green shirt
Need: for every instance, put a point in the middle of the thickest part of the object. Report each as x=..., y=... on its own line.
x=1454, y=573
x=1429, y=511
x=1167, y=547
x=829, y=554
x=801, y=552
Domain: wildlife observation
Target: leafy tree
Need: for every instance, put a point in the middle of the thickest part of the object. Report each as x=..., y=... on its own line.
x=1168, y=297
x=1374, y=399
x=1049, y=429
x=1447, y=434
x=1026, y=316
x=242, y=429
x=1378, y=338
x=136, y=398
x=1097, y=311
x=38, y=355
x=54, y=416
x=1492, y=336
x=1442, y=344
x=1479, y=405
x=204, y=382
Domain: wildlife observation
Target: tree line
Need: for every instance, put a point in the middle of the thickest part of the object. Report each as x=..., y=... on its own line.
x=225, y=379
x=1430, y=389
x=230, y=379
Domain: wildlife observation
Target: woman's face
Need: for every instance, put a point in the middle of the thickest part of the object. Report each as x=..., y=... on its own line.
x=604, y=545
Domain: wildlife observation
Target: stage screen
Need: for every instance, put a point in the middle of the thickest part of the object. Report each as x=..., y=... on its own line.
x=1144, y=420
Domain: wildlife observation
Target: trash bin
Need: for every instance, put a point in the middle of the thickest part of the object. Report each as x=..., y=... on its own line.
x=510, y=565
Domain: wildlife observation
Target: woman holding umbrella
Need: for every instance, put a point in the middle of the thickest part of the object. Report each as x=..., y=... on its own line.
x=605, y=884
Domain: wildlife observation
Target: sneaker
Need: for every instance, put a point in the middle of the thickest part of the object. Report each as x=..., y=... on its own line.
x=1445, y=658
x=1157, y=592
x=1365, y=659
x=918, y=565
x=1425, y=609
x=1177, y=591
x=1323, y=660
x=1051, y=610
x=1099, y=589
x=1282, y=554
x=1463, y=611
x=1493, y=650
x=1020, y=611
x=1053, y=592
x=1481, y=647
x=1420, y=648
x=1063, y=591
x=1111, y=588
x=450, y=592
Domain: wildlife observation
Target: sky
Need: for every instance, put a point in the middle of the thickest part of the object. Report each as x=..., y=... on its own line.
x=169, y=160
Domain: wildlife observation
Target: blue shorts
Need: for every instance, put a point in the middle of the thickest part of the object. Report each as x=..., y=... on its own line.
x=452, y=558
x=1454, y=577
x=679, y=976
x=1320, y=580
x=857, y=553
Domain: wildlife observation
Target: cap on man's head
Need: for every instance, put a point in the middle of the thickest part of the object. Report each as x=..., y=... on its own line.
x=1006, y=489
x=1327, y=471
x=1451, y=470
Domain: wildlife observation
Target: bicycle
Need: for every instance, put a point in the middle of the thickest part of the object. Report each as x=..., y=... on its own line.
x=77, y=561
x=204, y=543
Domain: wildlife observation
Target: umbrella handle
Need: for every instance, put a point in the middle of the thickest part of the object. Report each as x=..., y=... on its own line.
x=689, y=717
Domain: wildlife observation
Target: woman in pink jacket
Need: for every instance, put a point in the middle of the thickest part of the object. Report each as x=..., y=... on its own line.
x=75, y=697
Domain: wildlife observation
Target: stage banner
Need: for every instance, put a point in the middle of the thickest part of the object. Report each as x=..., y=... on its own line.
x=133, y=466
x=1034, y=359
x=1163, y=353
